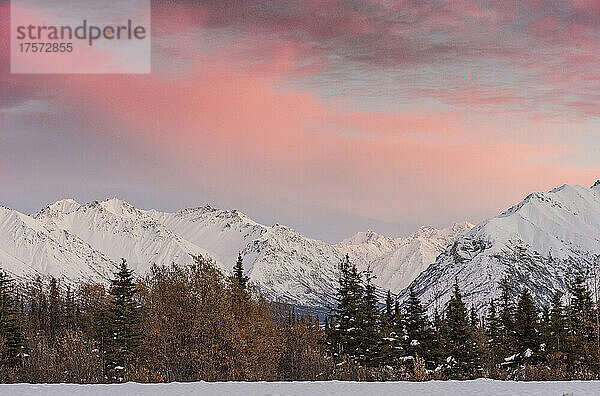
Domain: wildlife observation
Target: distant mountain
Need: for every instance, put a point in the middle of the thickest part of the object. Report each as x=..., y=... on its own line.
x=283, y=263
x=119, y=230
x=75, y=241
x=539, y=244
x=397, y=262
x=29, y=248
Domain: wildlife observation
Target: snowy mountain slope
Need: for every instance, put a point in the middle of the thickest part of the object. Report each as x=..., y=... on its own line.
x=223, y=233
x=305, y=268
x=118, y=230
x=283, y=263
x=397, y=262
x=367, y=247
x=292, y=267
x=67, y=239
x=539, y=244
x=28, y=248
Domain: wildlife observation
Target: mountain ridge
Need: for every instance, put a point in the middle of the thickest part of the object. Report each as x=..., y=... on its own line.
x=284, y=264
x=539, y=243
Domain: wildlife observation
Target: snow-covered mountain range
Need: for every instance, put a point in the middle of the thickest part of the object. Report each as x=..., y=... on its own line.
x=85, y=241
x=397, y=262
x=541, y=243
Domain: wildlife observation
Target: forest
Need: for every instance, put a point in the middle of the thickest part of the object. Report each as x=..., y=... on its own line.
x=194, y=323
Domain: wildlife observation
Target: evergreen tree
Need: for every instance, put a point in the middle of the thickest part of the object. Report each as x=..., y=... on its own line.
x=438, y=351
x=544, y=321
x=493, y=332
x=473, y=318
x=238, y=273
x=102, y=328
x=526, y=326
x=126, y=335
x=388, y=353
x=581, y=314
x=417, y=335
x=506, y=317
x=458, y=338
x=557, y=326
x=38, y=313
x=387, y=317
x=397, y=333
x=346, y=336
x=398, y=320
x=369, y=339
x=70, y=310
x=54, y=310
x=10, y=330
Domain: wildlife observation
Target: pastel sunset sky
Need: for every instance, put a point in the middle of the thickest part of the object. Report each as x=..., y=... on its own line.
x=328, y=116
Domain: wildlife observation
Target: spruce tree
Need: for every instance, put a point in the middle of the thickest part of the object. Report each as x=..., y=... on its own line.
x=526, y=326
x=581, y=313
x=494, y=333
x=238, y=273
x=438, y=352
x=369, y=337
x=54, y=310
x=459, y=339
x=126, y=335
x=69, y=311
x=506, y=317
x=387, y=352
x=557, y=332
x=10, y=330
x=102, y=332
x=398, y=320
x=397, y=333
x=348, y=315
x=417, y=335
x=544, y=332
x=473, y=318
x=387, y=316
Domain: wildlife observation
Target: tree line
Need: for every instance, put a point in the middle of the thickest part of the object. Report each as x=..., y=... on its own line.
x=177, y=323
x=515, y=339
x=192, y=323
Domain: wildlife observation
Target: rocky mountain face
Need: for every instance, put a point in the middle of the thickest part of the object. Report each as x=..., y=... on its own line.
x=540, y=244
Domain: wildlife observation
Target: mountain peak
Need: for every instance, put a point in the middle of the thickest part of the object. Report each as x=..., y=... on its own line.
x=536, y=242
x=119, y=207
x=461, y=227
x=463, y=224
x=362, y=237
x=65, y=205
x=596, y=185
x=561, y=188
x=116, y=202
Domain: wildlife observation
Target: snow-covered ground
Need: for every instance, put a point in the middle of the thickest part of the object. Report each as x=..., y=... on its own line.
x=434, y=388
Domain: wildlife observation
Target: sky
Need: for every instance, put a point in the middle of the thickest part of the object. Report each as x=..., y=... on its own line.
x=328, y=116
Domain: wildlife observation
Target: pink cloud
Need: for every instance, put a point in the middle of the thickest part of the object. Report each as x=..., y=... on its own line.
x=541, y=54
x=245, y=126
x=233, y=128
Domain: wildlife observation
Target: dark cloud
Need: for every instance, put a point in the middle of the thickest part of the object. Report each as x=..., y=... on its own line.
x=541, y=56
